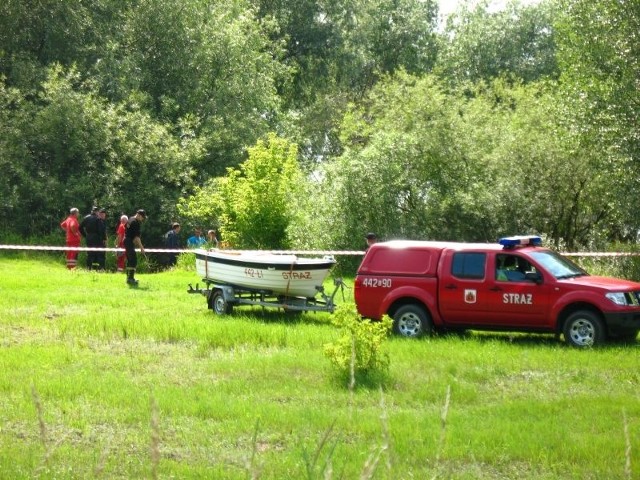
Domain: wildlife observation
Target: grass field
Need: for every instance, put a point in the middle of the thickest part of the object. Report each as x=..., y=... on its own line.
x=98, y=380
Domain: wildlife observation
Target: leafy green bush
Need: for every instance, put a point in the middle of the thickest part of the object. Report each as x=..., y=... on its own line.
x=253, y=204
x=626, y=265
x=358, y=353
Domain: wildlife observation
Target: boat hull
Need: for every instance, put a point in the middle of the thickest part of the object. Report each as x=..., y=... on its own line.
x=286, y=275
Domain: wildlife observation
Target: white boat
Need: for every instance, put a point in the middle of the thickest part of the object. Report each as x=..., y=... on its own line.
x=282, y=274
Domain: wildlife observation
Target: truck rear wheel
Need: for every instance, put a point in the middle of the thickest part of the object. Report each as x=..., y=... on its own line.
x=219, y=304
x=412, y=321
x=584, y=329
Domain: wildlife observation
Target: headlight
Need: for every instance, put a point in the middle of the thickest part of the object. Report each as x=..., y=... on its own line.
x=619, y=298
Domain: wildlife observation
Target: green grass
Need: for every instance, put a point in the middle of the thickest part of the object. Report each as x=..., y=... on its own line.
x=98, y=380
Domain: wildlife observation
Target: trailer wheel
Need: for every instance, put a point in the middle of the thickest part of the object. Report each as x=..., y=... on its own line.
x=584, y=329
x=219, y=304
x=412, y=321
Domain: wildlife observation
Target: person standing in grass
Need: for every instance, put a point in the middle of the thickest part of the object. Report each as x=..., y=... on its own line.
x=131, y=241
x=173, y=243
x=120, y=256
x=101, y=257
x=89, y=230
x=73, y=237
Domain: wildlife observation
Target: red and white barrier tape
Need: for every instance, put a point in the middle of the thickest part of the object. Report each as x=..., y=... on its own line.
x=283, y=252
x=167, y=250
x=602, y=254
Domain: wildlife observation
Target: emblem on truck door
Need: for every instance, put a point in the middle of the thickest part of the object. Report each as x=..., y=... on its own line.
x=470, y=295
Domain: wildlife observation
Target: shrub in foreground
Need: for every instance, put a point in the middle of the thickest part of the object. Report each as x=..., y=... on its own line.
x=358, y=353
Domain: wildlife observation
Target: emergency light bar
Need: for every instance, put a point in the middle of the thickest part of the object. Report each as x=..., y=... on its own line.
x=520, y=241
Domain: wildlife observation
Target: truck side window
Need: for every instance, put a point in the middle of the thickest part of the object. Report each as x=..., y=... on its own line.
x=468, y=265
x=512, y=268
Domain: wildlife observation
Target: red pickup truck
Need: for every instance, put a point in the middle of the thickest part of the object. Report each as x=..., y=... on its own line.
x=513, y=285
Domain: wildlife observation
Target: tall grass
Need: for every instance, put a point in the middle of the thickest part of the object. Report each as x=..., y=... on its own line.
x=98, y=380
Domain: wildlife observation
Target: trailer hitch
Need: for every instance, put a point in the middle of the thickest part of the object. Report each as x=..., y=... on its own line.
x=197, y=289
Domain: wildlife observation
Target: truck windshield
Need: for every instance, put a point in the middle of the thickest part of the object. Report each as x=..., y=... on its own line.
x=557, y=265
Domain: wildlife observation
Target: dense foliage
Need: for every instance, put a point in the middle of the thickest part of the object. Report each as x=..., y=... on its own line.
x=489, y=122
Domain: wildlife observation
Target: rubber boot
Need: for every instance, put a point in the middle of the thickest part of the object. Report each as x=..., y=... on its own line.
x=130, y=276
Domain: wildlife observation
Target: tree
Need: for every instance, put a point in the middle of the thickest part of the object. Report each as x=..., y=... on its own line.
x=402, y=163
x=75, y=149
x=337, y=51
x=253, y=203
x=487, y=161
x=209, y=64
x=599, y=52
x=35, y=35
x=14, y=155
x=519, y=41
x=388, y=35
x=547, y=182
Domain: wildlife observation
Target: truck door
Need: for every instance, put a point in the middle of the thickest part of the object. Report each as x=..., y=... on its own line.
x=514, y=296
x=462, y=286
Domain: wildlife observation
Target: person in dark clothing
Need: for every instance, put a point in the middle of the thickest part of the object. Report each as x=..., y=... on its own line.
x=173, y=243
x=131, y=241
x=101, y=257
x=90, y=231
x=371, y=238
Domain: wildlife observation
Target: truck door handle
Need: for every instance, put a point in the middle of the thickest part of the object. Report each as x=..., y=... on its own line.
x=495, y=289
x=451, y=286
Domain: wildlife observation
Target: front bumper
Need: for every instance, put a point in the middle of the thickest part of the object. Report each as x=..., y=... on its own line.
x=621, y=322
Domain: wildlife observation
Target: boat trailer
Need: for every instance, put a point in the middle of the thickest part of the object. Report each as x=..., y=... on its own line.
x=221, y=298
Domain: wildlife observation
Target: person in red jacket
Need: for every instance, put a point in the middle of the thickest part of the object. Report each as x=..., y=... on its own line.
x=72, y=227
x=121, y=256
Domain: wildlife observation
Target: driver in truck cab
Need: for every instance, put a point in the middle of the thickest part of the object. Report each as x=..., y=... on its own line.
x=512, y=268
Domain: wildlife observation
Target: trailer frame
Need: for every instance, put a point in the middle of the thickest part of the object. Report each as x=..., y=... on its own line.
x=223, y=297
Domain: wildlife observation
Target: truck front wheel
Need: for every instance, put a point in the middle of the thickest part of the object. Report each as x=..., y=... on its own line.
x=412, y=321
x=584, y=329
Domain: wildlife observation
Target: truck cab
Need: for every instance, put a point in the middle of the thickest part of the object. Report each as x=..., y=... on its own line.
x=513, y=285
